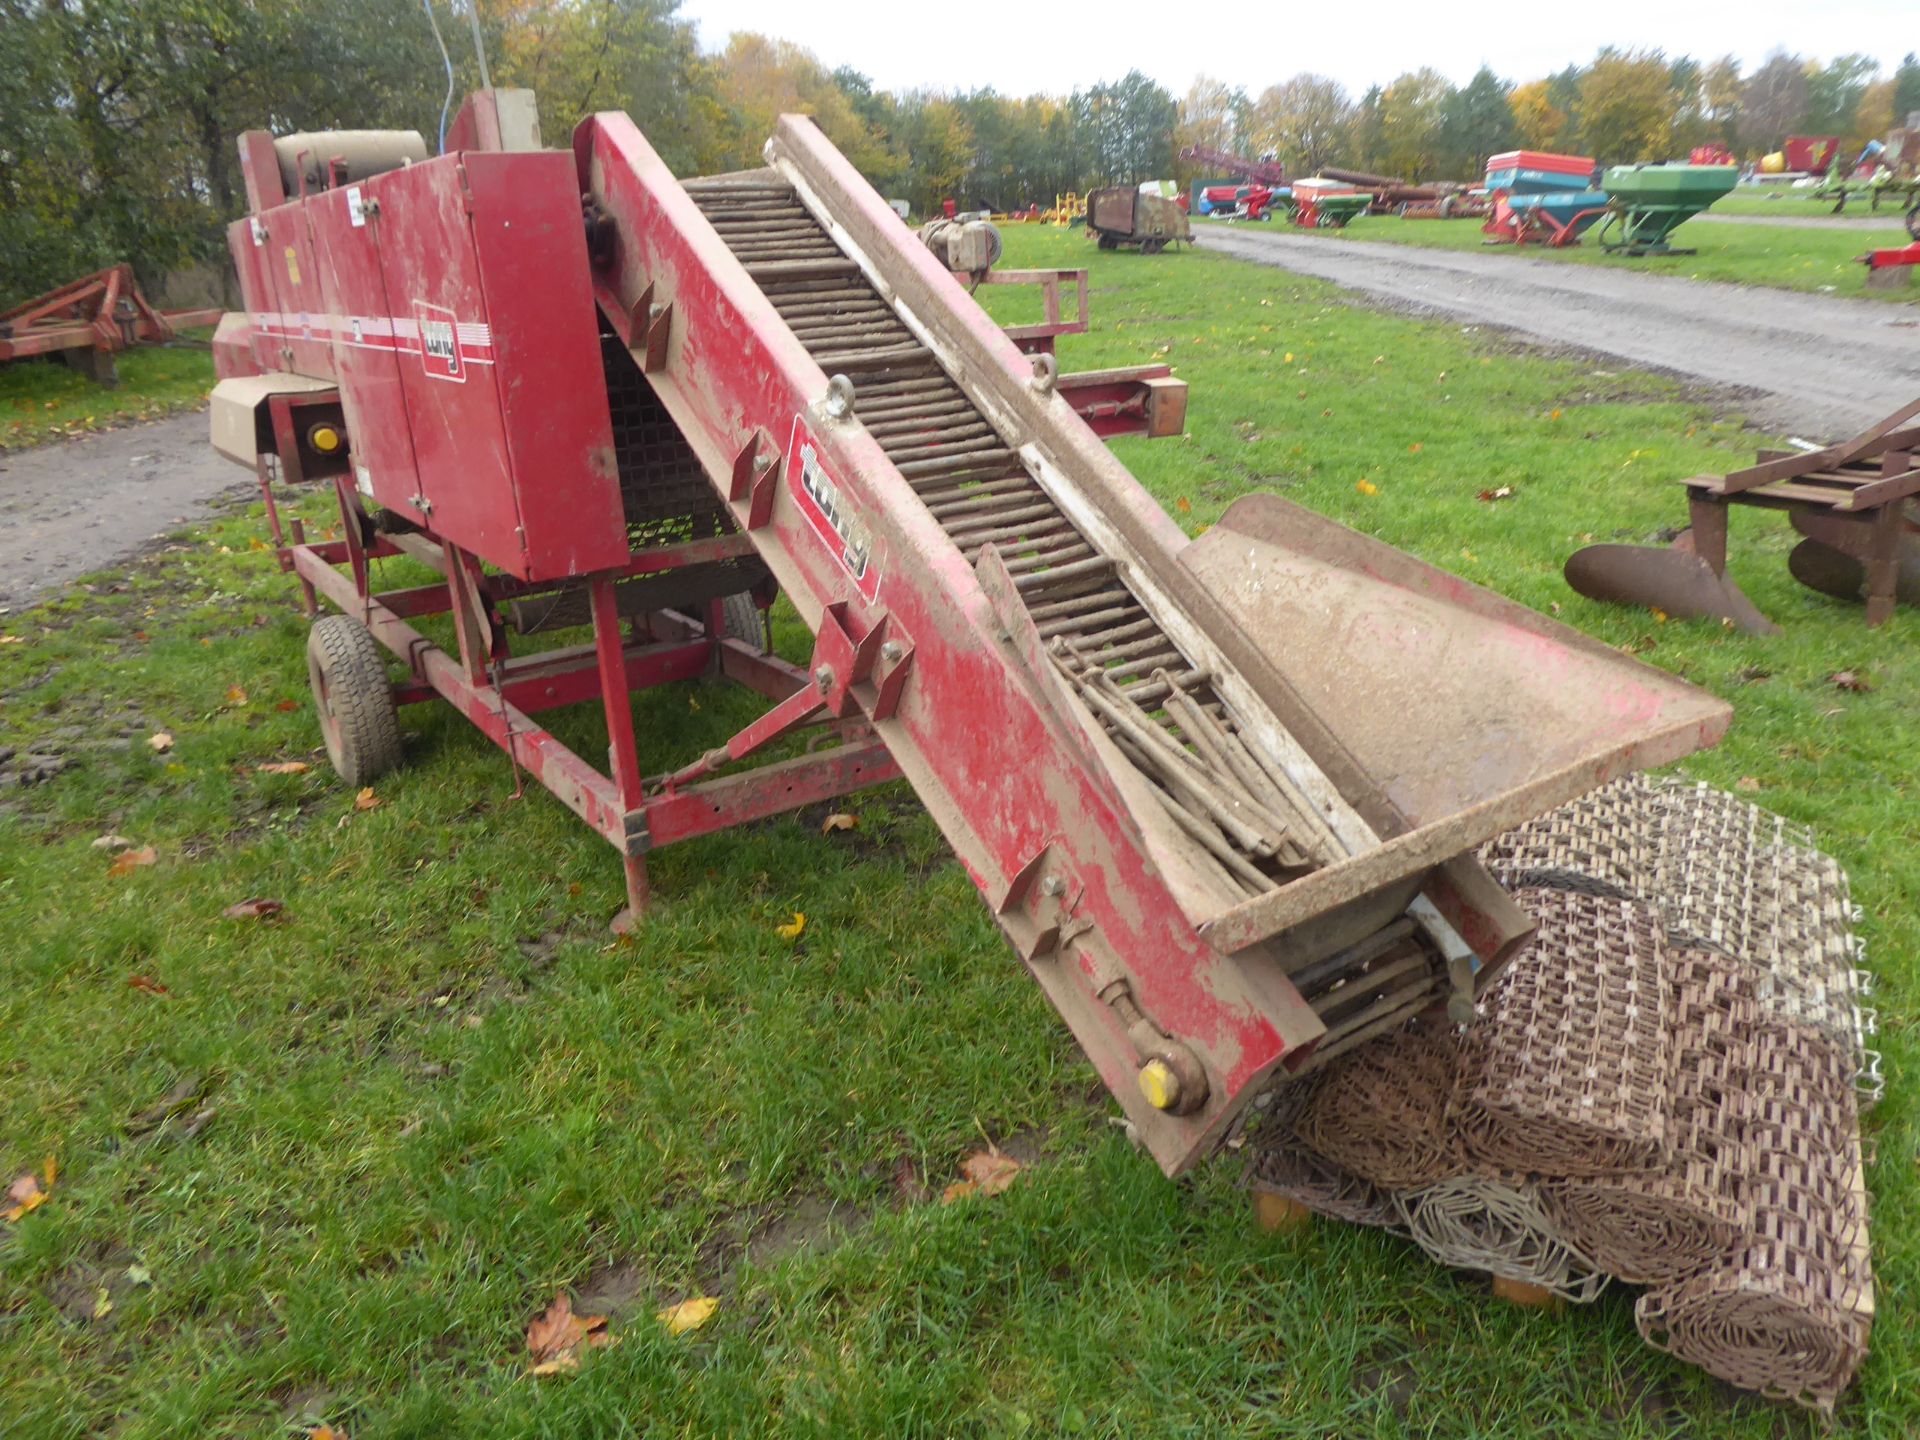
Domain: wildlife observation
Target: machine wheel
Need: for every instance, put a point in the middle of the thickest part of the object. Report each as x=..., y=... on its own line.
x=353, y=698
x=741, y=619
x=1152, y=247
x=1107, y=242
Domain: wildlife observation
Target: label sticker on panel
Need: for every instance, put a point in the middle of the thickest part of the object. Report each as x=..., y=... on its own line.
x=829, y=510
x=356, y=207
x=439, y=341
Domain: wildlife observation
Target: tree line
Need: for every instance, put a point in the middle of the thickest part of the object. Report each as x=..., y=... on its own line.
x=117, y=117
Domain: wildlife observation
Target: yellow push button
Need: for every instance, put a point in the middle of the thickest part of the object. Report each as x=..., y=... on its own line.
x=324, y=438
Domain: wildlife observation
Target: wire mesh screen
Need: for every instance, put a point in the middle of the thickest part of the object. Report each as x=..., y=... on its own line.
x=1570, y=1070
x=1790, y=1311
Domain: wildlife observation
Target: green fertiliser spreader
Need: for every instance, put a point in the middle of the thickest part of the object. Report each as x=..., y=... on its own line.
x=1647, y=203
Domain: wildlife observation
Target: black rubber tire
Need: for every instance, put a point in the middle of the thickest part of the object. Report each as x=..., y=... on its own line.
x=353, y=698
x=741, y=619
x=1107, y=242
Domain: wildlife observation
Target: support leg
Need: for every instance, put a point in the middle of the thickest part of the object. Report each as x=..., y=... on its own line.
x=1883, y=565
x=309, y=603
x=1709, y=518
x=625, y=755
x=264, y=475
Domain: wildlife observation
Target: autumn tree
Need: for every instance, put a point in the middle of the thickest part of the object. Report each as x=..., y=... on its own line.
x=1303, y=122
x=1537, y=122
x=1215, y=116
x=1626, y=106
x=1412, y=114
x=1127, y=127
x=1366, y=131
x=1720, y=92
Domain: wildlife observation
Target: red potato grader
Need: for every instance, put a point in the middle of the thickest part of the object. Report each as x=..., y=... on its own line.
x=1222, y=795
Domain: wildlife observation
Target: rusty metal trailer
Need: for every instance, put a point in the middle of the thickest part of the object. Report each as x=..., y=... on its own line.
x=87, y=320
x=1221, y=795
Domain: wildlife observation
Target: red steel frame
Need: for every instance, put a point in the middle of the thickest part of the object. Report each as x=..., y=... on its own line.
x=86, y=314
x=1531, y=225
x=500, y=692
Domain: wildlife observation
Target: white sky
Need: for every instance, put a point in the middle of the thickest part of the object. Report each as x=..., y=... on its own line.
x=1020, y=49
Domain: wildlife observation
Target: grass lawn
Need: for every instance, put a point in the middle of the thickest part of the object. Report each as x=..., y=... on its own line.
x=1783, y=257
x=328, y=1168
x=1748, y=201
x=43, y=400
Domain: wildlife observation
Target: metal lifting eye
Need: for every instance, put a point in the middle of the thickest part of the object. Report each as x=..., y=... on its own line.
x=839, y=401
x=1046, y=371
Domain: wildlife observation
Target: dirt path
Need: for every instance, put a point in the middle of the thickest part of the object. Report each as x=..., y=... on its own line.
x=80, y=505
x=1813, y=365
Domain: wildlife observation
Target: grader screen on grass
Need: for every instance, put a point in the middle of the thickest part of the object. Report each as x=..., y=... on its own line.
x=1222, y=795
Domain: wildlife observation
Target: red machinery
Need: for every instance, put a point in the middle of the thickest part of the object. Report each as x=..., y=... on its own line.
x=1714, y=154
x=1270, y=173
x=86, y=320
x=1810, y=154
x=621, y=420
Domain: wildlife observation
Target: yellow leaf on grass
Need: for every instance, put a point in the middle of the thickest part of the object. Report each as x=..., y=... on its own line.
x=839, y=820
x=284, y=767
x=326, y=1432
x=160, y=742
x=791, y=930
x=29, y=1192
x=1366, y=487
x=367, y=800
x=688, y=1314
x=236, y=697
x=1183, y=505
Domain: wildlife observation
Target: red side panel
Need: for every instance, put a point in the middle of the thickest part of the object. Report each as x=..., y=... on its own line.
x=532, y=245
x=365, y=353
x=297, y=321
x=499, y=360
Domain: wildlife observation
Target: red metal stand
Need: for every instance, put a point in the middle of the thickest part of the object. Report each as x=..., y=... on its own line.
x=88, y=319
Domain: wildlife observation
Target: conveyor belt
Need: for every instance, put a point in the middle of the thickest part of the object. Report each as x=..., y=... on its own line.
x=1253, y=829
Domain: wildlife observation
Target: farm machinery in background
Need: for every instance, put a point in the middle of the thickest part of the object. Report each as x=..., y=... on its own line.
x=1554, y=200
x=1140, y=216
x=86, y=322
x=614, y=433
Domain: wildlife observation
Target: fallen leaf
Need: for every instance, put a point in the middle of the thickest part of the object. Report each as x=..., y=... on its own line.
x=1414, y=448
x=1660, y=617
x=30, y=1191
x=367, y=800
x=236, y=697
x=284, y=767
x=127, y=861
x=791, y=930
x=147, y=985
x=139, y=1275
x=1366, y=487
x=988, y=1172
x=839, y=820
x=1746, y=782
x=1183, y=505
x=1848, y=680
x=1555, y=415
x=283, y=706
x=1504, y=492
x=907, y=1182
x=160, y=742
x=113, y=842
x=12, y=640
x=102, y=1303
x=326, y=1432
x=555, y=1338
x=255, y=909
x=688, y=1314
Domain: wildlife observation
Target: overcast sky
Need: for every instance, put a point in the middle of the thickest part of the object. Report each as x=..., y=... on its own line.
x=1019, y=49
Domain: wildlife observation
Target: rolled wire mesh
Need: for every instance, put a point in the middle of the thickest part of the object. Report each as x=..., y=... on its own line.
x=1501, y=1226
x=1655, y=1226
x=1570, y=1069
x=1279, y=1162
x=1722, y=872
x=1380, y=1111
x=1790, y=1312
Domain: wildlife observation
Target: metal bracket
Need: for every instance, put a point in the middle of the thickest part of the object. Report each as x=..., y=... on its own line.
x=756, y=471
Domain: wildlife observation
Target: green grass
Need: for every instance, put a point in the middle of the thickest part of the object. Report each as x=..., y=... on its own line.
x=1745, y=201
x=42, y=400
x=441, y=1091
x=1781, y=257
